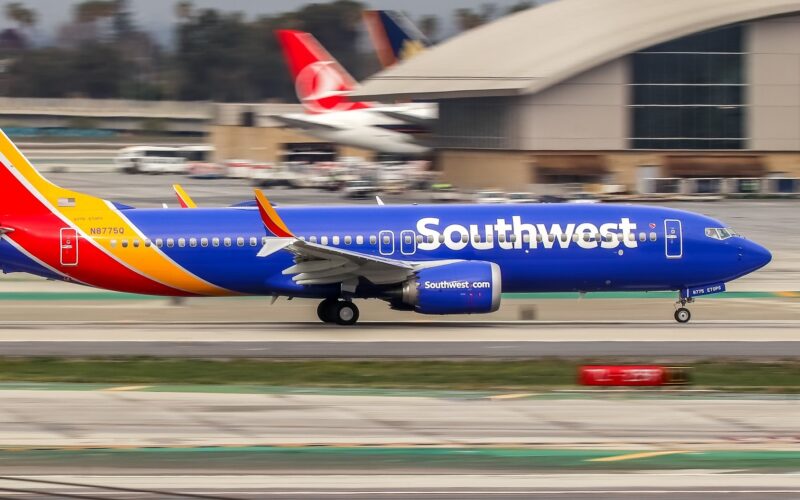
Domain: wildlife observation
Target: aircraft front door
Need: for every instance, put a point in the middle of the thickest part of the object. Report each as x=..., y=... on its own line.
x=69, y=247
x=673, y=237
x=386, y=242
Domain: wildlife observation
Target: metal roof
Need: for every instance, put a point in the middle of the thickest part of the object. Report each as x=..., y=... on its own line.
x=531, y=50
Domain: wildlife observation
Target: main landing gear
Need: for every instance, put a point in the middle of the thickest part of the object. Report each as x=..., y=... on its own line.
x=682, y=314
x=341, y=312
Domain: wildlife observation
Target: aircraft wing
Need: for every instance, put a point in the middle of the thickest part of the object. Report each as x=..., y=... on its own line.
x=316, y=264
x=303, y=123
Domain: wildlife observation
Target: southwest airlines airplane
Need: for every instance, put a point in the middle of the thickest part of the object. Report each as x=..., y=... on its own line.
x=455, y=259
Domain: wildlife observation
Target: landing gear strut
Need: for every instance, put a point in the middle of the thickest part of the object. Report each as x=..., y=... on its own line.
x=341, y=312
x=682, y=314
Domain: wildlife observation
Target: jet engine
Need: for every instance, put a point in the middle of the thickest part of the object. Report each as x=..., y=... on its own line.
x=468, y=287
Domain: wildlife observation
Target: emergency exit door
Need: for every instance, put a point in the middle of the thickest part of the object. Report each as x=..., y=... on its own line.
x=69, y=247
x=673, y=237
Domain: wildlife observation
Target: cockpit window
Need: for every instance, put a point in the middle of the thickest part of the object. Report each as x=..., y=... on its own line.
x=720, y=233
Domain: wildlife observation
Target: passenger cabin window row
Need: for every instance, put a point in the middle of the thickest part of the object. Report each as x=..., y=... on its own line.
x=716, y=233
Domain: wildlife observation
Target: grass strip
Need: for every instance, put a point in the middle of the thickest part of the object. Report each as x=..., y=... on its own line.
x=422, y=374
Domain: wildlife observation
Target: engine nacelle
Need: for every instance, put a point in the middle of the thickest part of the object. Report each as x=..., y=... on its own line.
x=469, y=287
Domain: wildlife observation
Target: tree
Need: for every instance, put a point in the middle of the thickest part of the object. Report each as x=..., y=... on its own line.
x=184, y=10
x=429, y=25
x=520, y=6
x=91, y=11
x=23, y=16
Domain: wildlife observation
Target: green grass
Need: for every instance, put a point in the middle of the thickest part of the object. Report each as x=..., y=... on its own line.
x=479, y=375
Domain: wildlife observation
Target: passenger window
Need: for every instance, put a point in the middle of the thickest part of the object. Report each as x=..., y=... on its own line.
x=324, y=240
x=348, y=240
x=430, y=239
x=476, y=238
x=312, y=239
x=147, y=243
x=170, y=242
x=564, y=238
x=159, y=242
x=407, y=239
x=253, y=241
x=419, y=238
x=192, y=242
x=653, y=237
x=587, y=237
x=239, y=241
x=551, y=238
x=631, y=237
x=386, y=239
x=372, y=239
x=215, y=242
x=204, y=242
x=609, y=237
x=526, y=238
x=135, y=243
x=501, y=238
x=227, y=242
x=441, y=238
x=335, y=240
x=539, y=238
x=359, y=240
x=513, y=238
x=642, y=237
x=124, y=243
x=465, y=238
x=113, y=243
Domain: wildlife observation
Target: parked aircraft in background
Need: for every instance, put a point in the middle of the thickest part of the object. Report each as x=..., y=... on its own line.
x=322, y=86
x=394, y=36
x=430, y=259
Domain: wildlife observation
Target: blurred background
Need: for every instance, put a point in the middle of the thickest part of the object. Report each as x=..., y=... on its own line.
x=687, y=104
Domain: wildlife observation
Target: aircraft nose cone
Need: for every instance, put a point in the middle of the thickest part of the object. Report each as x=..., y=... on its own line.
x=756, y=256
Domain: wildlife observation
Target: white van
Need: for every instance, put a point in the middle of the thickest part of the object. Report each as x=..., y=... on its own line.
x=151, y=160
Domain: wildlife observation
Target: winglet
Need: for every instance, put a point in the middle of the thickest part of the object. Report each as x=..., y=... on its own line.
x=271, y=218
x=183, y=198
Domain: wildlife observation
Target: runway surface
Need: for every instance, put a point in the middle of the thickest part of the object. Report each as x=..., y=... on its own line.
x=121, y=442
x=683, y=486
x=138, y=416
x=729, y=339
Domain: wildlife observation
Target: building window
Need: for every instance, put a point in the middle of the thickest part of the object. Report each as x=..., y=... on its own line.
x=690, y=93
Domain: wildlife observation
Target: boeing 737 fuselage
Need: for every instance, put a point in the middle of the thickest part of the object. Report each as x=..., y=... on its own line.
x=455, y=259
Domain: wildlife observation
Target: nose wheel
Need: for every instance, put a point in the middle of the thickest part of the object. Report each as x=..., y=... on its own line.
x=341, y=312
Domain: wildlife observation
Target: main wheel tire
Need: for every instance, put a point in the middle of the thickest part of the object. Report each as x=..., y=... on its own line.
x=345, y=313
x=682, y=315
x=325, y=310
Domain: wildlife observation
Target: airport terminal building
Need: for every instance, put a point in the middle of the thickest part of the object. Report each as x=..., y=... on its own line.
x=614, y=92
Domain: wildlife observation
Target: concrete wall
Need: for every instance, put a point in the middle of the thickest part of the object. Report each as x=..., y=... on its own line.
x=774, y=75
x=586, y=112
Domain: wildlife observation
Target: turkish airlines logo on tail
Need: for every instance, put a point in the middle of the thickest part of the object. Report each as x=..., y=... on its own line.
x=321, y=87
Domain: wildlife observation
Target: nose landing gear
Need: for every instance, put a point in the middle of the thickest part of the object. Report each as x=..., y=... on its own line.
x=682, y=314
x=341, y=312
